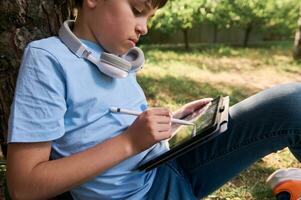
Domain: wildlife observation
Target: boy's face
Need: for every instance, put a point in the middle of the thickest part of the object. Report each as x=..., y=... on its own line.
x=117, y=24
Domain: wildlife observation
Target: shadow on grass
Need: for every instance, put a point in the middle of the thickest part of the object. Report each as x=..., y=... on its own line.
x=225, y=58
x=204, y=61
x=172, y=90
x=254, y=179
x=250, y=184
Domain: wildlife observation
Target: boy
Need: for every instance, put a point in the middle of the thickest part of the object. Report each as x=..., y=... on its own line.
x=61, y=110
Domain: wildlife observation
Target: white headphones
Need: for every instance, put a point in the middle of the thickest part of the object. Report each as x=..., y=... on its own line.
x=109, y=64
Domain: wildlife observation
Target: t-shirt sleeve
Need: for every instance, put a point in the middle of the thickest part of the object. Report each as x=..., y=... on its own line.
x=38, y=108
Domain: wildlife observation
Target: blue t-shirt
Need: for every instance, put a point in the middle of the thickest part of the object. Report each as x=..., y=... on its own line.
x=65, y=99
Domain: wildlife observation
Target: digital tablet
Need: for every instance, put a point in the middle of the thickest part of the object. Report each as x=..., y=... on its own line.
x=209, y=122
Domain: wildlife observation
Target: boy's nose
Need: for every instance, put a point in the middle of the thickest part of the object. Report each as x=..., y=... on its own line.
x=141, y=27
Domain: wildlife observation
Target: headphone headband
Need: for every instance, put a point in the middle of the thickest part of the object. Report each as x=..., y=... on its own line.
x=109, y=64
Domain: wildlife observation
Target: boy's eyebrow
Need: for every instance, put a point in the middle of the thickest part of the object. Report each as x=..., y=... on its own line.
x=147, y=6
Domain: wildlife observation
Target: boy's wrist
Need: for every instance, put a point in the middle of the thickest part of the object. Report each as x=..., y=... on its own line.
x=128, y=144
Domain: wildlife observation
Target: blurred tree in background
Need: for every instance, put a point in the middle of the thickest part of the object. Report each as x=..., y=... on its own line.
x=276, y=18
x=246, y=14
x=179, y=15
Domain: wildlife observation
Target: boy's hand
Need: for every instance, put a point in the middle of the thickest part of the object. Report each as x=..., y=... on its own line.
x=188, y=109
x=191, y=107
x=152, y=126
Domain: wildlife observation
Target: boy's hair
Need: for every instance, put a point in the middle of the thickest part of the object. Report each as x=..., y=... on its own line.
x=158, y=3
x=78, y=3
x=155, y=3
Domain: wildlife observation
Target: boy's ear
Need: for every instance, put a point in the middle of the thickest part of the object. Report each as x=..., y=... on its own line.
x=91, y=3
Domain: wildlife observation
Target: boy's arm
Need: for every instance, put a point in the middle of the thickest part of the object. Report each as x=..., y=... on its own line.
x=31, y=175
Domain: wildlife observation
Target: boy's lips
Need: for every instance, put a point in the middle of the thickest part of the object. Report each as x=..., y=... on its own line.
x=133, y=42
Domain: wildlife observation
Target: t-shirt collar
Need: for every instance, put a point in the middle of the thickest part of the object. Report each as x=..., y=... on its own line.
x=95, y=48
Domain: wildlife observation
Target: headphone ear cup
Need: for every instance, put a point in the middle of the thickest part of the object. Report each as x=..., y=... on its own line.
x=136, y=57
x=114, y=66
x=112, y=71
x=116, y=61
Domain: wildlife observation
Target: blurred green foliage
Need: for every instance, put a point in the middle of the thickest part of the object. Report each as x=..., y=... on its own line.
x=278, y=18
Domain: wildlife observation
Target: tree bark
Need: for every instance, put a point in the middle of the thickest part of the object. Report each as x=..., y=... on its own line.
x=22, y=21
x=297, y=45
x=186, y=42
x=215, y=33
x=247, y=34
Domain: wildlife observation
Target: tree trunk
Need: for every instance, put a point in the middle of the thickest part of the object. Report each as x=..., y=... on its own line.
x=22, y=21
x=247, y=34
x=297, y=45
x=186, y=42
x=215, y=33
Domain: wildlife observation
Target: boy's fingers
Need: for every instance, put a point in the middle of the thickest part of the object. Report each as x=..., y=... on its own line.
x=164, y=135
x=194, y=105
x=163, y=127
x=202, y=101
x=159, y=111
x=163, y=120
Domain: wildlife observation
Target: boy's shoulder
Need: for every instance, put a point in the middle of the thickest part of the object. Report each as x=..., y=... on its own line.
x=46, y=43
x=52, y=45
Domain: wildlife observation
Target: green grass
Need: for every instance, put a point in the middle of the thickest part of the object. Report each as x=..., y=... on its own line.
x=173, y=76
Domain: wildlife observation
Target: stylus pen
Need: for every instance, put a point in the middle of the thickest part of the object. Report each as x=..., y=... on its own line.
x=131, y=112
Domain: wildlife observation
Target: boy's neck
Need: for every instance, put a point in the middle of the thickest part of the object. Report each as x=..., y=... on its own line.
x=82, y=31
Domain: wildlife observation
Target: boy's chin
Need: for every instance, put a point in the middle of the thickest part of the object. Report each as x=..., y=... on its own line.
x=120, y=52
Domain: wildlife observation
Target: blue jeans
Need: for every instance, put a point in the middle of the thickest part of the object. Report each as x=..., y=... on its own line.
x=261, y=124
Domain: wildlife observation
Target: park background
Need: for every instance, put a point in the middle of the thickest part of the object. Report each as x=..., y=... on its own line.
x=194, y=49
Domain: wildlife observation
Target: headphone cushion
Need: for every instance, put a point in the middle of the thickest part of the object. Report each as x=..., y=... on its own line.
x=115, y=61
x=136, y=57
x=112, y=71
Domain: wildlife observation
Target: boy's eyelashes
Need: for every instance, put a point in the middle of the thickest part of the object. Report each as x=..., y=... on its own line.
x=137, y=11
x=139, y=7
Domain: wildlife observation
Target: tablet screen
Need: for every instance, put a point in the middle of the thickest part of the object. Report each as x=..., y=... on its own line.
x=203, y=120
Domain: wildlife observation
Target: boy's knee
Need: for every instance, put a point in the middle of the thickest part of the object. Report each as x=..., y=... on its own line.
x=288, y=91
x=294, y=87
x=284, y=99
